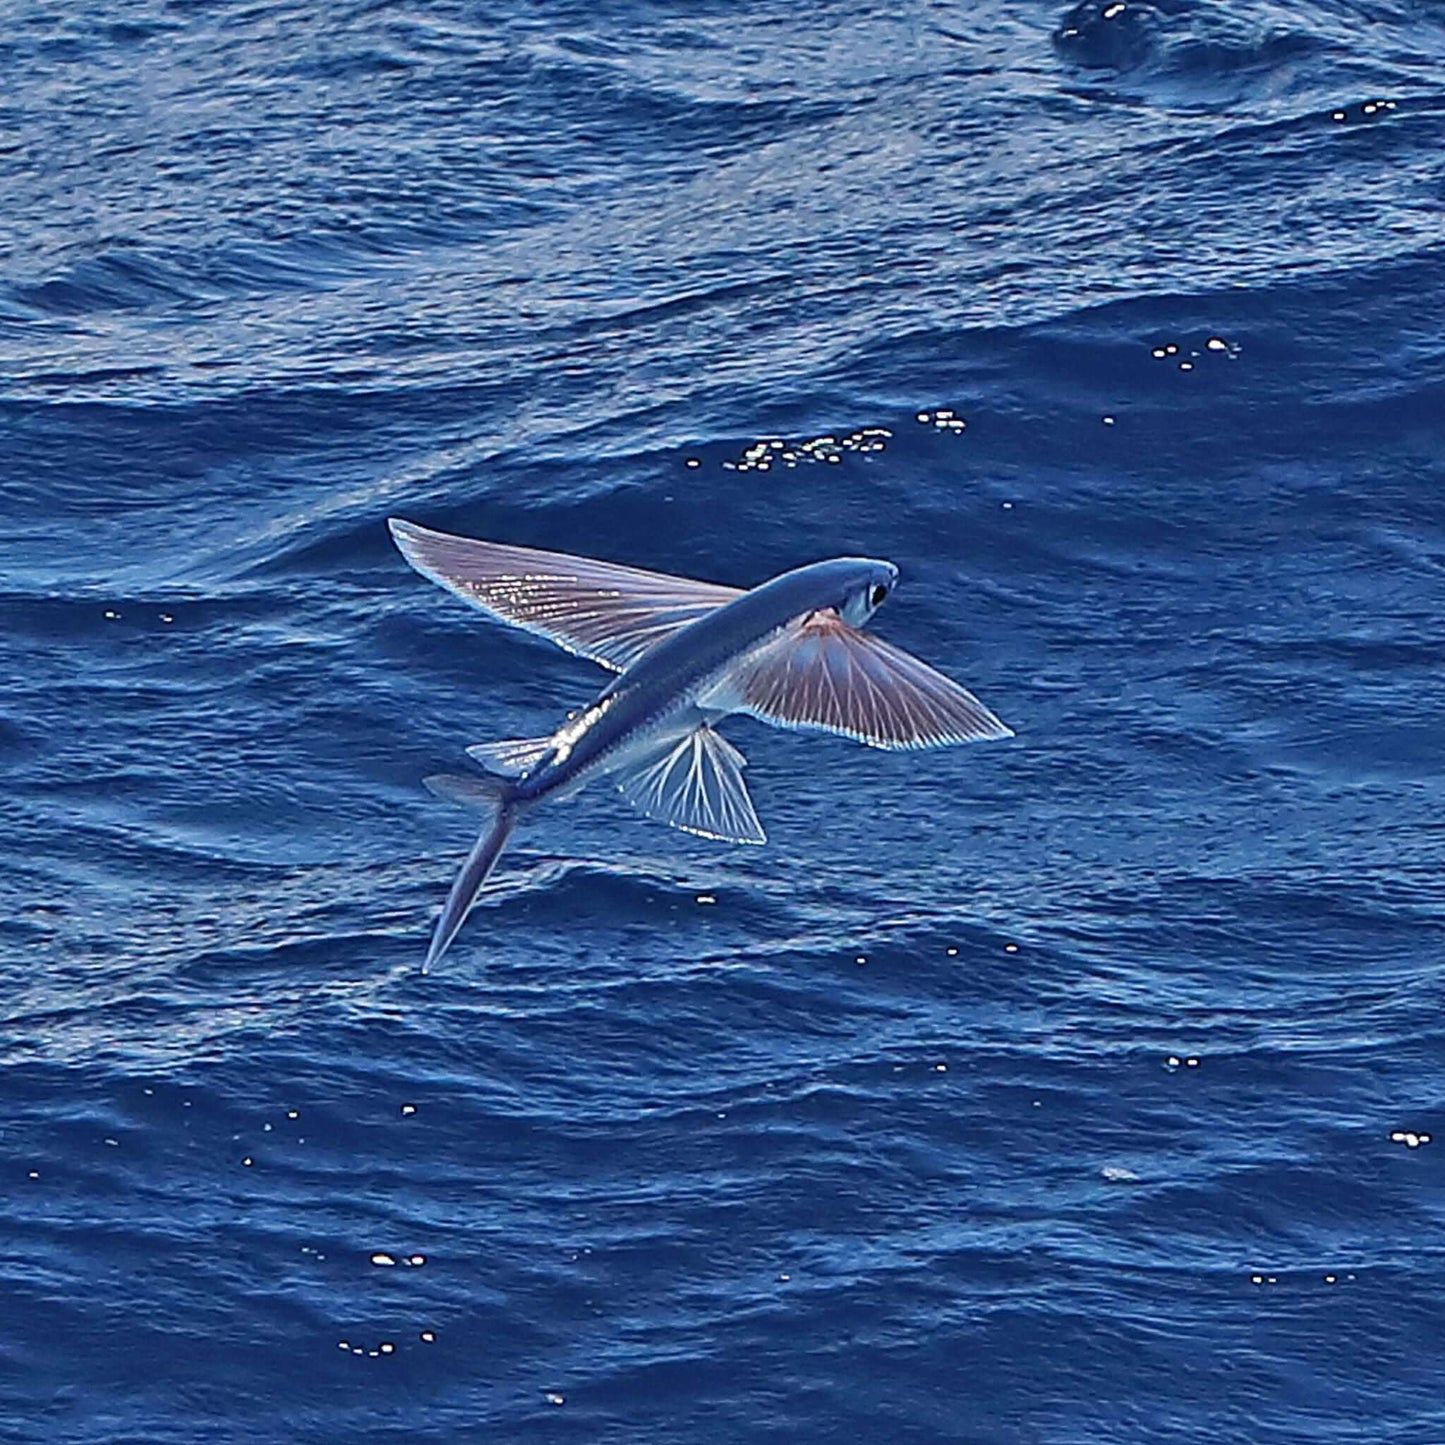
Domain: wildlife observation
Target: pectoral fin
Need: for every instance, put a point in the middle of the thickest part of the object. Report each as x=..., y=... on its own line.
x=824, y=674
x=695, y=783
x=601, y=610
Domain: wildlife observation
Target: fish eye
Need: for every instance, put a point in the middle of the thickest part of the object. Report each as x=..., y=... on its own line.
x=878, y=594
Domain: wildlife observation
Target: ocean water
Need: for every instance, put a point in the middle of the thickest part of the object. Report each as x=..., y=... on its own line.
x=1084, y=1087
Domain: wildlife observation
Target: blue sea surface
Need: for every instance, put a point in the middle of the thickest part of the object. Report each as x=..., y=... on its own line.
x=1080, y=1088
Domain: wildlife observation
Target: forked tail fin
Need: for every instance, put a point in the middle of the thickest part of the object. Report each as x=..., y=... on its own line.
x=480, y=861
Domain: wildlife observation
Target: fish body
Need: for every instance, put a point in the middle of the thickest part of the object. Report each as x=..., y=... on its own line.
x=659, y=695
x=791, y=652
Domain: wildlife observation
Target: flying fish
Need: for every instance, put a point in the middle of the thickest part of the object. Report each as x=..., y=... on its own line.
x=791, y=652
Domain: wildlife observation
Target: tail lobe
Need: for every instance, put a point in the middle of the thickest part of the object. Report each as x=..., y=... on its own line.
x=480, y=862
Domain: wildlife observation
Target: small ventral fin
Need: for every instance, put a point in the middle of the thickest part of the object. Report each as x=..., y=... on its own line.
x=696, y=784
x=600, y=610
x=511, y=757
x=824, y=674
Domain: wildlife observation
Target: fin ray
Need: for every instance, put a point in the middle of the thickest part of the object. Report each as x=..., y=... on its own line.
x=599, y=610
x=825, y=675
x=695, y=783
x=511, y=757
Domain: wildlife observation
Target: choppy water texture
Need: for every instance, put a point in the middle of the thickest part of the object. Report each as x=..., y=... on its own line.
x=1080, y=1088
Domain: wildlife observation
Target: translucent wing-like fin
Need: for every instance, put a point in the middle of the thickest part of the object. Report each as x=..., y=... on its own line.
x=511, y=757
x=599, y=610
x=825, y=675
x=696, y=784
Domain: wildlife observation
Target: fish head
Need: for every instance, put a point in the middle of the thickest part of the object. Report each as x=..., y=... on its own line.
x=867, y=586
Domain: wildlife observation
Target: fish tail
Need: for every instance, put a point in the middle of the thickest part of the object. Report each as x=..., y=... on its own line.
x=480, y=862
